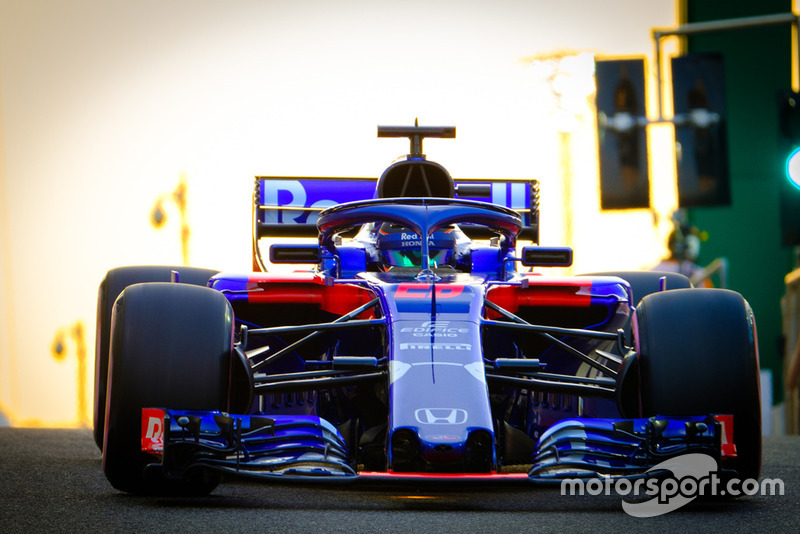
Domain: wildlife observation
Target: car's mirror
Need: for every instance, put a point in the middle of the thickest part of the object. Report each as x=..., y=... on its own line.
x=286, y=253
x=546, y=256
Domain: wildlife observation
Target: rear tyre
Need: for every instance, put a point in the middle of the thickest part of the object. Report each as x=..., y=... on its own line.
x=170, y=347
x=698, y=355
x=644, y=283
x=112, y=285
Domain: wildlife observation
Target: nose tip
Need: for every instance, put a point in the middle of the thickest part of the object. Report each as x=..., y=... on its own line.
x=411, y=453
x=404, y=455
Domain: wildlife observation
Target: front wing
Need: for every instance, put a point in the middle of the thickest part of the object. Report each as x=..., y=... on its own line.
x=309, y=448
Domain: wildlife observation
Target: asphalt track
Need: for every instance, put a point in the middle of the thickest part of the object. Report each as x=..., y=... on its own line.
x=51, y=481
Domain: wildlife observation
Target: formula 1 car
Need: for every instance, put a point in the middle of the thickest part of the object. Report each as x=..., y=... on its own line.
x=415, y=339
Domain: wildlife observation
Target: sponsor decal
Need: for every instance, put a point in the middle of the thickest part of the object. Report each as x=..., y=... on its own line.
x=436, y=346
x=309, y=195
x=441, y=416
x=410, y=240
x=152, y=430
x=426, y=291
x=435, y=328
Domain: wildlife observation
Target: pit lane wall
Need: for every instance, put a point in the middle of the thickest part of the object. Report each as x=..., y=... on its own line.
x=791, y=333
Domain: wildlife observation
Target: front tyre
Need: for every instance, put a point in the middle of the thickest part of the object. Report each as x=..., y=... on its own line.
x=170, y=347
x=112, y=285
x=698, y=355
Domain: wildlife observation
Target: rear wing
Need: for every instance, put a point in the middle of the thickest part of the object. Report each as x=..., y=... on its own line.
x=289, y=206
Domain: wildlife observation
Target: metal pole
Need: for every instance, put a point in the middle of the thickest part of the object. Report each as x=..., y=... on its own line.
x=719, y=25
x=728, y=24
x=657, y=38
x=796, y=75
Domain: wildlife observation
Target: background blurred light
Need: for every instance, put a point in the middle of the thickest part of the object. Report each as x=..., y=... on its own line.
x=104, y=106
x=793, y=168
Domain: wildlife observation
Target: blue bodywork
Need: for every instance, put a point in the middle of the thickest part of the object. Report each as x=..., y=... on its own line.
x=476, y=368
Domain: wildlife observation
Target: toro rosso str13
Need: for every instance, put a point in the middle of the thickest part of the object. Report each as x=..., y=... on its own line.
x=416, y=338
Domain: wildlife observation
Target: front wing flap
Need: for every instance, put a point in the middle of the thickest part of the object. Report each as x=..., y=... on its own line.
x=577, y=448
x=254, y=446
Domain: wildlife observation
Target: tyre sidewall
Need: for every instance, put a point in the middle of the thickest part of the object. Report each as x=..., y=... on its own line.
x=698, y=355
x=170, y=348
x=115, y=281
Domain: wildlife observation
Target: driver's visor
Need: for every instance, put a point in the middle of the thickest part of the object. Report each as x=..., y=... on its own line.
x=413, y=258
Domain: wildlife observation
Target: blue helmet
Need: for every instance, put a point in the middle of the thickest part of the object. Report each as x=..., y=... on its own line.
x=400, y=247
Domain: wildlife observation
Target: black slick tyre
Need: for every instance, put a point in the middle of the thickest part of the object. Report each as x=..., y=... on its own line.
x=170, y=347
x=698, y=355
x=112, y=285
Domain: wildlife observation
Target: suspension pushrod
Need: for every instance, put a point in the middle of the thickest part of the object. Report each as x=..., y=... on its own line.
x=597, y=381
x=574, y=332
x=290, y=348
x=580, y=390
x=544, y=331
x=312, y=384
x=269, y=379
x=319, y=327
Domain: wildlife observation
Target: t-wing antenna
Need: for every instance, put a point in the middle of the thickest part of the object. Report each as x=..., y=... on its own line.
x=416, y=134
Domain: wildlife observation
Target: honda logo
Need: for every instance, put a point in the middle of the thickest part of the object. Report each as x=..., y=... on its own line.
x=441, y=416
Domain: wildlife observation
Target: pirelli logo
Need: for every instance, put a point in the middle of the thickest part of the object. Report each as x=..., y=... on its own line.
x=436, y=346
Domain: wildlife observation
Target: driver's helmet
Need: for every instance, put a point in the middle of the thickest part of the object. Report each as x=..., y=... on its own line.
x=400, y=247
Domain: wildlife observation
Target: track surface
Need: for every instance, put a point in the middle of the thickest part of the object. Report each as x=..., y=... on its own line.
x=52, y=481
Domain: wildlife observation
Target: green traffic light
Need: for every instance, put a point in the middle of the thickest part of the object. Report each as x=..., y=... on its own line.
x=793, y=168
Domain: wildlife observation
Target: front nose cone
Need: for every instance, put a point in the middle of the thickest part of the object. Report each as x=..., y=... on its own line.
x=442, y=453
x=404, y=454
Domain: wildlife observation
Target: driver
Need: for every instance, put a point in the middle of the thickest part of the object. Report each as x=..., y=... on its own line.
x=401, y=247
